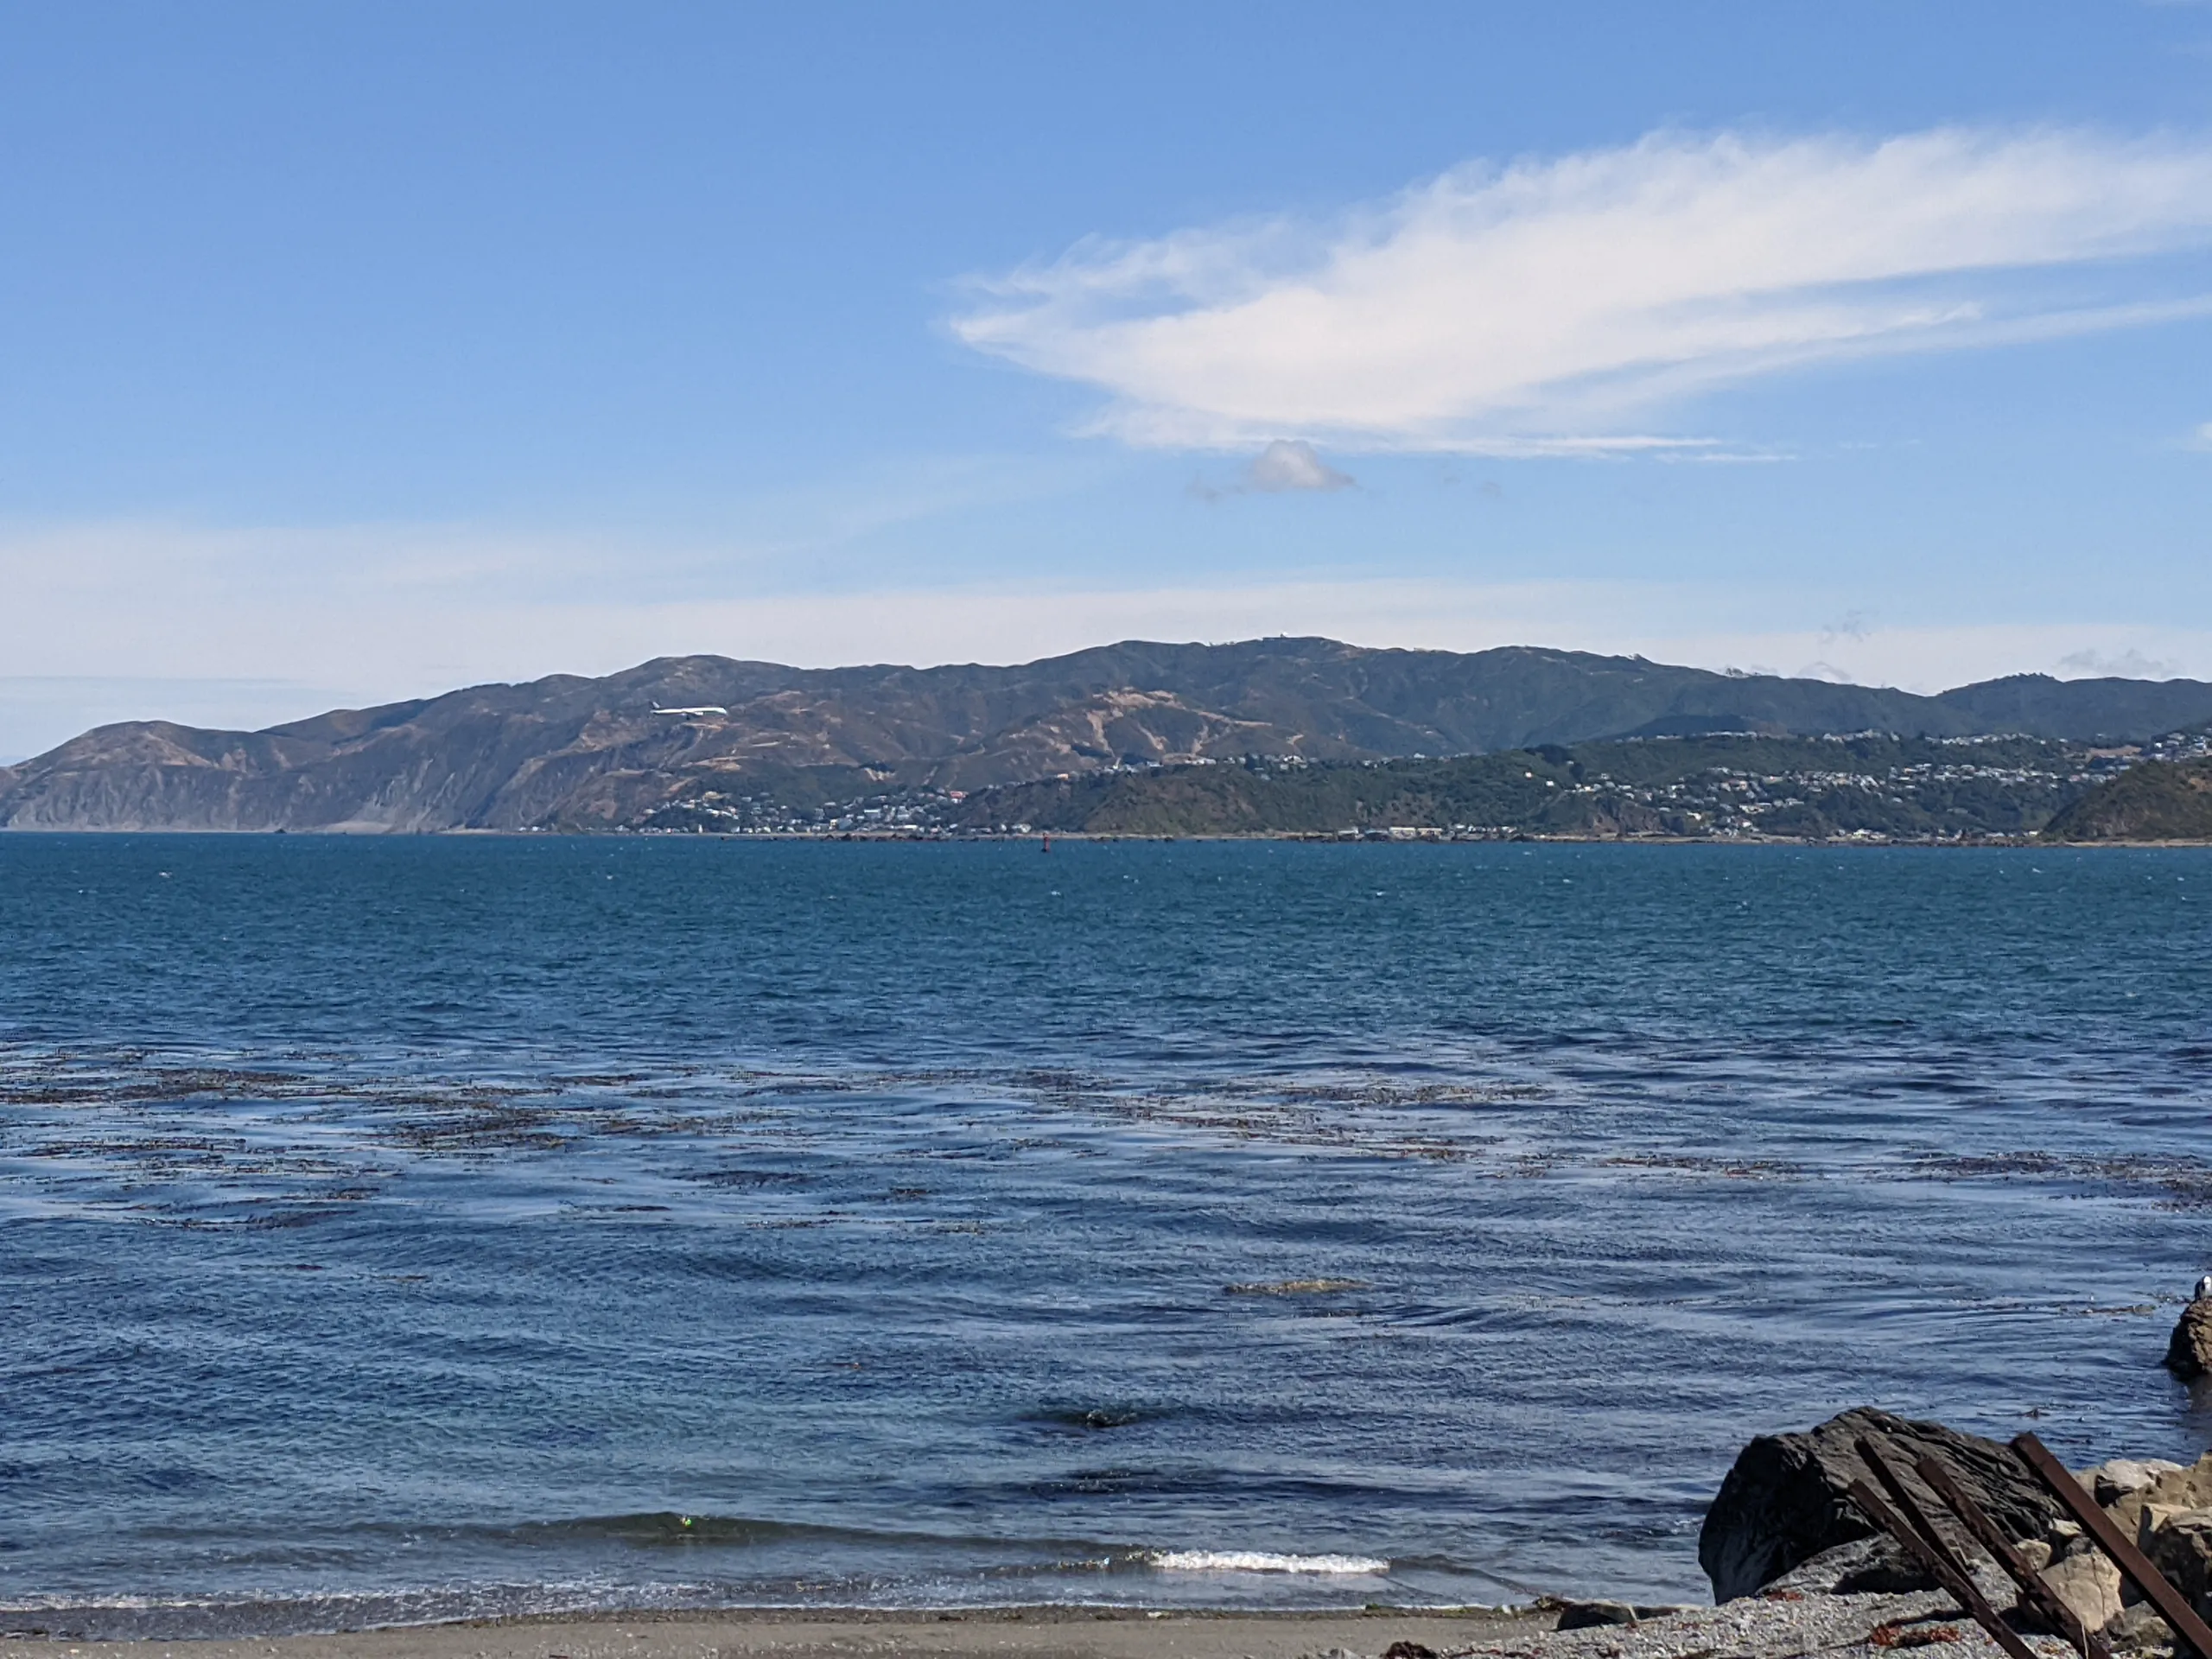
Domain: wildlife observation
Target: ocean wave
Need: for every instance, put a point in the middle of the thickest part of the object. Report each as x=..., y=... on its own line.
x=1262, y=1560
x=660, y=1527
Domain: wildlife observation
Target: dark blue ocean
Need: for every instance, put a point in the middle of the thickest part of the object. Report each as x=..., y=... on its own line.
x=409, y=1228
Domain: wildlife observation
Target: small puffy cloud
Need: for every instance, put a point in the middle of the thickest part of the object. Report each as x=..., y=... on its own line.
x=1824, y=671
x=2201, y=438
x=2128, y=665
x=1291, y=464
x=1549, y=306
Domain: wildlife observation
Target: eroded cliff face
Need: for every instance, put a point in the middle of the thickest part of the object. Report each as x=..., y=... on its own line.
x=571, y=753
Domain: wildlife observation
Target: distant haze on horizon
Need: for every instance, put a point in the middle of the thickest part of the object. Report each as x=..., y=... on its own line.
x=365, y=352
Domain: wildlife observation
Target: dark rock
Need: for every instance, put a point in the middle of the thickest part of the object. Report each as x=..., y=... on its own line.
x=1784, y=1502
x=1876, y=1565
x=1588, y=1615
x=2189, y=1355
x=1409, y=1651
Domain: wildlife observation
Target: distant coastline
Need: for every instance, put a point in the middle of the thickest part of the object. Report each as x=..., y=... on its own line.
x=1115, y=838
x=1307, y=738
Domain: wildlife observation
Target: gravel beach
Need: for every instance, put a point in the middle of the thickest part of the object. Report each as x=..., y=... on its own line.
x=1756, y=1627
x=1008, y=1633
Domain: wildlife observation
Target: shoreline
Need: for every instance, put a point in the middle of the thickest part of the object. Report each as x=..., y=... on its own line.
x=1778, y=1624
x=1307, y=837
x=1035, y=1631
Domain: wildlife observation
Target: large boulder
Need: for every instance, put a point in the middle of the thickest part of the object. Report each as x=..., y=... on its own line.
x=2138, y=1510
x=2189, y=1352
x=2179, y=1544
x=2088, y=1584
x=2110, y=1482
x=1784, y=1501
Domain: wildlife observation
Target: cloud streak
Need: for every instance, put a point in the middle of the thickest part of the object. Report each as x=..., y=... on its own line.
x=1557, y=306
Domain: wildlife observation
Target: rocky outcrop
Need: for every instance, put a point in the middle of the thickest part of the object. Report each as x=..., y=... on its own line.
x=1784, y=1502
x=1784, y=1526
x=2188, y=1354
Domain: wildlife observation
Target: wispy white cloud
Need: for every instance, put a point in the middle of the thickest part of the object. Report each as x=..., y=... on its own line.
x=1555, y=306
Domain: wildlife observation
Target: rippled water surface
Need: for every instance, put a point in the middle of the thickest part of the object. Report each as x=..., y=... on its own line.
x=403, y=1228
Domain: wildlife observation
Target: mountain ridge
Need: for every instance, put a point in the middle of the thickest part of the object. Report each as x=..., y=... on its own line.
x=574, y=752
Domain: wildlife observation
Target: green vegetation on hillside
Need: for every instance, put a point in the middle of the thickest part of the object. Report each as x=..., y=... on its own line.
x=2155, y=801
x=1712, y=786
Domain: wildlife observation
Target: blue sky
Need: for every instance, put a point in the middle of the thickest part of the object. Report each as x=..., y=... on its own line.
x=354, y=352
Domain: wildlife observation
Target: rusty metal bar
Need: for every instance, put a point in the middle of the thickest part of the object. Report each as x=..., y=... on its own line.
x=1938, y=1546
x=2038, y=1594
x=1908, y=1506
x=2173, y=1605
x=1959, y=1588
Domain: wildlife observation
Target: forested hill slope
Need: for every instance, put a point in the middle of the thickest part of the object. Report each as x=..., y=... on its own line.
x=2156, y=801
x=1712, y=787
x=573, y=752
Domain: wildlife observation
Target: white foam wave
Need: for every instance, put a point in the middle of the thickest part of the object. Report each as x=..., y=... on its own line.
x=1261, y=1561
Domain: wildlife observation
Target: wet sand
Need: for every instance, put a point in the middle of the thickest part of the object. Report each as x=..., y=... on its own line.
x=1013, y=1633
